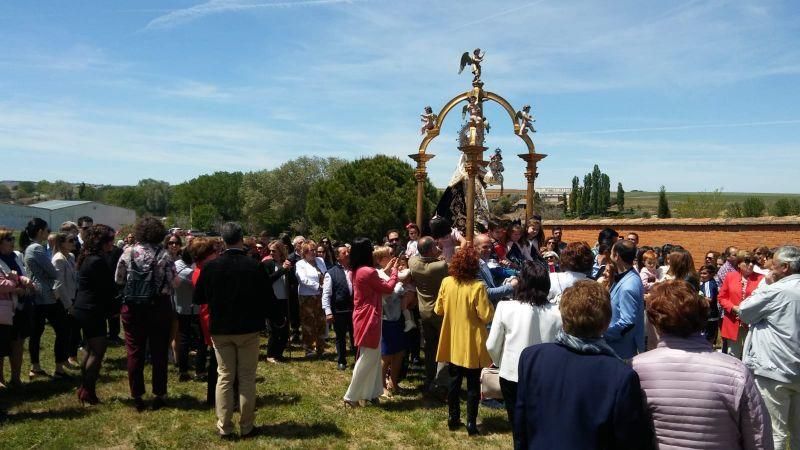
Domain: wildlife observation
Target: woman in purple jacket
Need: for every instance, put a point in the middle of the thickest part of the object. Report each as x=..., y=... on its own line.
x=698, y=398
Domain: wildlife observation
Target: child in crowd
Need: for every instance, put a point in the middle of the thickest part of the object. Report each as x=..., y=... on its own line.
x=649, y=273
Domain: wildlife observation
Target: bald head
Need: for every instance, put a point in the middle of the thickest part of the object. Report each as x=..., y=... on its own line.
x=483, y=244
x=426, y=246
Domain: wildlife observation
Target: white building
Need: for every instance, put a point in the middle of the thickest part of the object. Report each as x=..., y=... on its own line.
x=56, y=212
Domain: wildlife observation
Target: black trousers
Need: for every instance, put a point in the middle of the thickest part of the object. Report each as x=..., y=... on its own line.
x=113, y=327
x=190, y=336
x=711, y=331
x=75, y=336
x=278, y=329
x=343, y=327
x=509, y=390
x=473, y=376
x=57, y=317
x=430, y=331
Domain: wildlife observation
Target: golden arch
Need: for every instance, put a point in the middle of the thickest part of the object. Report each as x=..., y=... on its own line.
x=422, y=157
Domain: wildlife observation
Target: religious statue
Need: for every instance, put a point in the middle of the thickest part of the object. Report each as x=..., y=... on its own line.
x=428, y=119
x=525, y=120
x=452, y=204
x=496, y=169
x=475, y=60
x=472, y=114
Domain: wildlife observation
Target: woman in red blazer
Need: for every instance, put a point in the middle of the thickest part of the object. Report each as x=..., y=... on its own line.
x=737, y=286
x=368, y=288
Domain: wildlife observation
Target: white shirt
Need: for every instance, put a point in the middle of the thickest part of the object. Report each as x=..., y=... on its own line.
x=308, y=276
x=562, y=280
x=515, y=327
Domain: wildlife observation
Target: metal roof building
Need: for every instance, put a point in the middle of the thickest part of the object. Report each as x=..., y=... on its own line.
x=55, y=212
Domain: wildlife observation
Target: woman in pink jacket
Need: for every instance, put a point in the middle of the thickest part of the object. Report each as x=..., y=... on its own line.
x=698, y=398
x=368, y=289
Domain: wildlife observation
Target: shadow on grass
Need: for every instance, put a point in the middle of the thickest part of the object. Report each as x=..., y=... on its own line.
x=496, y=425
x=274, y=399
x=410, y=403
x=295, y=430
x=65, y=413
x=38, y=390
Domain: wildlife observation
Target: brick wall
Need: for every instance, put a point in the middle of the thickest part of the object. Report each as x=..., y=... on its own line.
x=696, y=235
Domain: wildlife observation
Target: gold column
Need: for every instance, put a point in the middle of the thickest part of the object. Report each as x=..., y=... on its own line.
x=420, y=175
x=475, y=161
x=531, y=160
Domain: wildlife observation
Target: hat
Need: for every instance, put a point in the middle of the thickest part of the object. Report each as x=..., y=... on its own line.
x=550, y=253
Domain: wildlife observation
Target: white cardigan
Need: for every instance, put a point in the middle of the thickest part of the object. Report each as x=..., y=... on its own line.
x=515, y=327
x=308, y=277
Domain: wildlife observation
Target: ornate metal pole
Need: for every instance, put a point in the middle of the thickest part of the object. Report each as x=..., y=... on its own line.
x=530, y=174
x=420, y=175
x=474, y=163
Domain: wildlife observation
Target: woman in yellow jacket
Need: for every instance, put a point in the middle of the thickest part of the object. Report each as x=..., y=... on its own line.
x=464, y=303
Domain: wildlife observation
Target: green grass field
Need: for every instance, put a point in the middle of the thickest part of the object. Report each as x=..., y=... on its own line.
x=648, y=201
x=299, y=405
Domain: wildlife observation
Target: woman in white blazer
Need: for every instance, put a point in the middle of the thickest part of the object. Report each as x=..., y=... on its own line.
x=526, y=320
x=65, y=288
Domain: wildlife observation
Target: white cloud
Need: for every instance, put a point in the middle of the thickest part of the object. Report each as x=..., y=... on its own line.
x=182, y=16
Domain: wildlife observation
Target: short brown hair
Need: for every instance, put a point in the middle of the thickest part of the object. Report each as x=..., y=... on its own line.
x=5, y=233
x=585, y=309
x=577, y=257
x=202, y=247
x=464, y=266
x=674, y=307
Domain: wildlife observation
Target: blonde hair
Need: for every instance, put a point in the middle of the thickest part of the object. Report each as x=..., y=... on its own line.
x=380, y=252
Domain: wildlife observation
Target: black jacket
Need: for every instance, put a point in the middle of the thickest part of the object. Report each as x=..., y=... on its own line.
x=235, y=288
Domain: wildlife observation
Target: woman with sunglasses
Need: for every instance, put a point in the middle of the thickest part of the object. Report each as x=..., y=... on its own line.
x=737, y=286
x=93, y=305
x=66, y=287
x=48, y=307
x=172, y=244
x=16, y=307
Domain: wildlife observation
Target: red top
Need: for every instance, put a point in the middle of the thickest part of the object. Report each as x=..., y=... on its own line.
x=204, y=315
x=731, y=294
x=368, y=288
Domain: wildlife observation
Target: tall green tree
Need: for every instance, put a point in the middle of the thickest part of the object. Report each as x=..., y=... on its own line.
x=588, y=192
x=222, y=190
x=156, y=195
x=663, y=205
x=275, y=200
x=620, y=198
x=605, y=194
x=205, y=217
x=573, y=195
x=366, y=197
x=597, y=190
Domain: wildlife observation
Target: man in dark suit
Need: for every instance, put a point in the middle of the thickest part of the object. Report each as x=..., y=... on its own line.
x=233, y=286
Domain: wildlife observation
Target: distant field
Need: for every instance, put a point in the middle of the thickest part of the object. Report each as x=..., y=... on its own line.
x=648, y=201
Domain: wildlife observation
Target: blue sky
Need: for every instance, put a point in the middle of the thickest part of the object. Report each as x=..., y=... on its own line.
x=693, y=95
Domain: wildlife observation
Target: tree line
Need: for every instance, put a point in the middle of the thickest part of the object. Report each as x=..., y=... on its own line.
x=321, y=196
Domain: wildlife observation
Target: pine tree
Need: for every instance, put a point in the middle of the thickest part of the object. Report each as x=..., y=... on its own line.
x=588, y=188
x=620, y=197
x=605, y=194
x=597, y=190
x=663, y=206
x=573, y=195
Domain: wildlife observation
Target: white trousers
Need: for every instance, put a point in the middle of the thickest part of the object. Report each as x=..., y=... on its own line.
x=366, y=383
x=783, y=404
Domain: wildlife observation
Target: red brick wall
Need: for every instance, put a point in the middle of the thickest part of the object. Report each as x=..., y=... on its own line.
x=696, y=235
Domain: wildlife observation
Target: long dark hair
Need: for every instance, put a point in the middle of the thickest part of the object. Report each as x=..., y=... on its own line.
x=33, y=228
x=534, y=284
x=360, y=253
x=95, y=237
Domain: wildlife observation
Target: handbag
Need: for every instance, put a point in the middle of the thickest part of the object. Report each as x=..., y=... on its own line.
x=490, y=384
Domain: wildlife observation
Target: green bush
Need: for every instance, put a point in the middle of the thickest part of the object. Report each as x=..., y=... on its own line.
x=753, y=207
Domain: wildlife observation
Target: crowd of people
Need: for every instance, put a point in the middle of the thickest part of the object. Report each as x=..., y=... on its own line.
x=613, y=345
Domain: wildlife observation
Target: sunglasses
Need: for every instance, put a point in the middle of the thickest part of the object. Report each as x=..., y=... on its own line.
x=9, y=238
x=750, y=261
x=394, y=240
x=173, y=243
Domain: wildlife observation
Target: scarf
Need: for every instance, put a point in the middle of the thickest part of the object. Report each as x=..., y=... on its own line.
x=589, y=346
x=11, y=261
